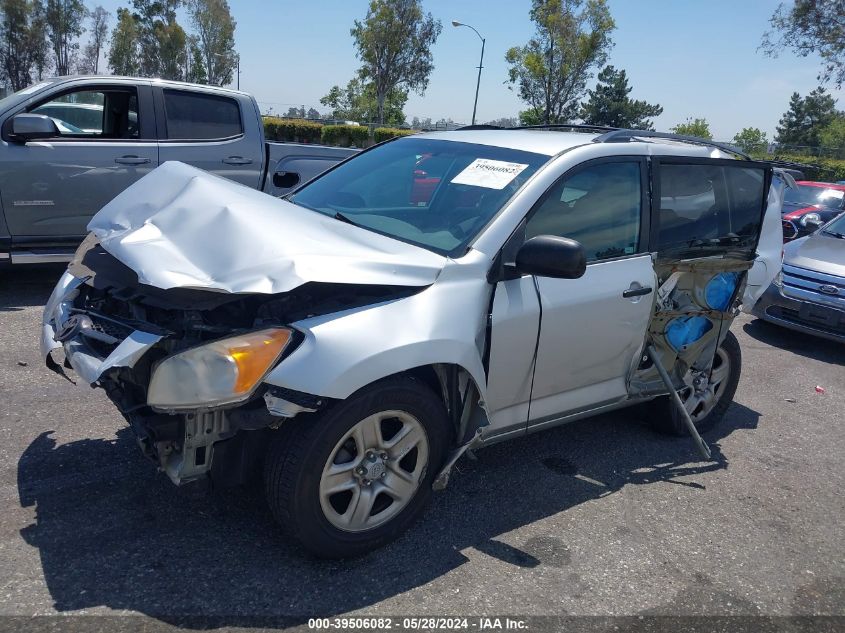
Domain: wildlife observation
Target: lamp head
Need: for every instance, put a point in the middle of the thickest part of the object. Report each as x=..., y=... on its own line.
x=456, y=23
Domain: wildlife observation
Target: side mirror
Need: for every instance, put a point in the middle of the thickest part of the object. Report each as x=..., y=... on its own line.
x=551, y=256
x=813, y=225
x=30, y=127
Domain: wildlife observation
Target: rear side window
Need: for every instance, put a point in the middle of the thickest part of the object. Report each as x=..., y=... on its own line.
x=709, y=206
x=196, y=116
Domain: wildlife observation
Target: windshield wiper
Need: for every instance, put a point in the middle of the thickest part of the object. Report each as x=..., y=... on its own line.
x=841, y=236
x=345, y=218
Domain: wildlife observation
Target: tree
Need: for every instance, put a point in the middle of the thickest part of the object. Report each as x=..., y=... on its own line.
x=123, y=54
x=215, y=28
x=312, y=114
x=531, y=116
x=358, y=102
x=751, y=140
x=64, y=26
x=807, y=27
x=394, y=43
x=551, y=72
x=801, y=123
x=832, y=136
x=23, y=42
x=296, y=113
x=609, y=104
x=694, y=127
x=98, y=29
x=196, y=63
x=162, y=42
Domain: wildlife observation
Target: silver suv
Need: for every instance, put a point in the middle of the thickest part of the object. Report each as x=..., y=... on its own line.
x=434, y=293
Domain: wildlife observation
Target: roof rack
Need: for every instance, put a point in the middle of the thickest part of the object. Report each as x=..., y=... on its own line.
x=624, y=136
x=568, y=126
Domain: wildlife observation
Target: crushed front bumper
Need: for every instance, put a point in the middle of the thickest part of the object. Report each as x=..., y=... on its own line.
x=59, y=330
x=802, y=316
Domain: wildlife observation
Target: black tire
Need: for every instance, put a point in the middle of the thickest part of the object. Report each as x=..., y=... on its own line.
x=664, y=417
x=296, y=458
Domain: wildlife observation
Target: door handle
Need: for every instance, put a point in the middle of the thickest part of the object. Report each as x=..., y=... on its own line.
x=636, y=292
x=131, y=160
x=237, y=160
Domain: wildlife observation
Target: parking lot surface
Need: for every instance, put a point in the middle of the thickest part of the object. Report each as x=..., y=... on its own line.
x=600, y=517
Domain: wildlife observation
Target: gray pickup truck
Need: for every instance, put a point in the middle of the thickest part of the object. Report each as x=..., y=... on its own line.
x=71, y=144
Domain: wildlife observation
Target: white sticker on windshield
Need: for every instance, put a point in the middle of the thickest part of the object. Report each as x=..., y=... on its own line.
x=492, y=174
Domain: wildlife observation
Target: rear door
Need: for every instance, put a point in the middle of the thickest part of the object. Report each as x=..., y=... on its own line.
x=215, y=132
x=592, y=329
x=51, y=188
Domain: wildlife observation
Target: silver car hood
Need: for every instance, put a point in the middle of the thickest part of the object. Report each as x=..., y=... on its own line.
x=819, y=252
x=181, y=227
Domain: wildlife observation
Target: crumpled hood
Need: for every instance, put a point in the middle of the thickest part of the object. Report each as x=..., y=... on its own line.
x=179, y=226
x=819, y=252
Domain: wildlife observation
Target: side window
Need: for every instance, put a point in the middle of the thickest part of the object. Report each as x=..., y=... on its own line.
x=100, y=114
x=705, y=205
x=195, y=116
x=600, y=206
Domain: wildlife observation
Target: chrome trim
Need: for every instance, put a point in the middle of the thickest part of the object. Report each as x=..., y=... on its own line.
x=4, y=255
x=813, y=274
x=28, y=257
x=810, y=296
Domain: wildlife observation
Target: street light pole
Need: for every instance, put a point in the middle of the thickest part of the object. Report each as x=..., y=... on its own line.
x=480, y=66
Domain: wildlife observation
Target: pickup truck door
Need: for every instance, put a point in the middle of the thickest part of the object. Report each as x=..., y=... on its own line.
x=593, y=329
x=50, y=188
x=218, y=132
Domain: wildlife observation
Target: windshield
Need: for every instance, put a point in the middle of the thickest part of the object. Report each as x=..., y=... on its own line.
x=807, y=194
x=837, y=227
x=433, y=193
x=21, y=95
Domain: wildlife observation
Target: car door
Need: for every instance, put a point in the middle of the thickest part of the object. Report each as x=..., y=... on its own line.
x=212, y=132
x=106, y=141
x=592, y=329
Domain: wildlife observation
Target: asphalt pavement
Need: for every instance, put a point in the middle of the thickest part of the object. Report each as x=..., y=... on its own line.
x=602, y=517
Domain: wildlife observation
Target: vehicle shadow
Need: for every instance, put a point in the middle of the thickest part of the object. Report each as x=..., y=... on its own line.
x=111, y=532
x=796, y=342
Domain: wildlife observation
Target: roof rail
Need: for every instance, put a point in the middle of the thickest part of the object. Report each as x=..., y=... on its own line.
x=624, y=136
x=568, y=126
x=480, y=126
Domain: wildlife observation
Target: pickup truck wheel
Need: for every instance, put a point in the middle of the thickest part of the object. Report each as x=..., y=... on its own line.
x=355, y=477
x=707, y=402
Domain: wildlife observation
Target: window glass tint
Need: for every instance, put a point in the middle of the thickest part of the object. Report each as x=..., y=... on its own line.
x=93, y=113
x=438, y=194
x=599, y=206
x=197, y=116
x=709, y=206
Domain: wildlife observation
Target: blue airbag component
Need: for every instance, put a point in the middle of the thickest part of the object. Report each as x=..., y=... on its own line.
x=720, y=289
x=685, y=330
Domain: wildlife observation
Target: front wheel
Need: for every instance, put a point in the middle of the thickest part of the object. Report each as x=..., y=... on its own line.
x=705, y=397
x=354, y=478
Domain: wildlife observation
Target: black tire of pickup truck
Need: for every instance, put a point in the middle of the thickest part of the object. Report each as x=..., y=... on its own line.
x=297, y=456
x=664, y=417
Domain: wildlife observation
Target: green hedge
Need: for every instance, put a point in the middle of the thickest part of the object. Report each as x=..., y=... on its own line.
x=345, y=135
x=384, y=133
x=816, y=168
x=829, y=169
x=292, y=130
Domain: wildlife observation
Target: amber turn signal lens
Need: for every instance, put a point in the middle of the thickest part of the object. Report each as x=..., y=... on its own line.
x=254, y=353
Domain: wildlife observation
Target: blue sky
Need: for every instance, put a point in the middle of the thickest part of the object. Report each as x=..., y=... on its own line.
x=697, y=58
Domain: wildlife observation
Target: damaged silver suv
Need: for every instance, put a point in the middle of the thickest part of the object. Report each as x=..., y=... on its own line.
x=434, y=293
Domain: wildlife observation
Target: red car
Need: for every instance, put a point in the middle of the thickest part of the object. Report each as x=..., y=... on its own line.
x=810, y=205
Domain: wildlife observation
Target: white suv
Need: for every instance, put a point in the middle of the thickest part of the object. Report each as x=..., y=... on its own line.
x=434, y=293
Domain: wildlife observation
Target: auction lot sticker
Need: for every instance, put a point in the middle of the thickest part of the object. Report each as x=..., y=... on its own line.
x=492, y=174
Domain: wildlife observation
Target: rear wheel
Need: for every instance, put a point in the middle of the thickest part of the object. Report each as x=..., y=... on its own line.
x=706, y=396
x=354, y=478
